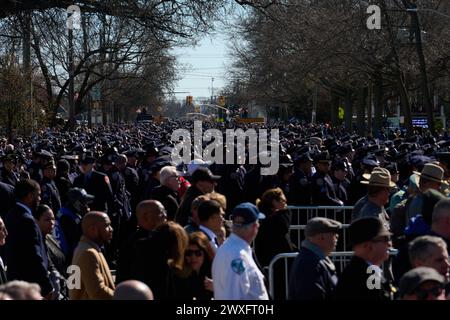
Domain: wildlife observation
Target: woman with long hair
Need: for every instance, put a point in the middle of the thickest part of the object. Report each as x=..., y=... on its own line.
x=194, y=280
x=273, y=236
x=159, y=257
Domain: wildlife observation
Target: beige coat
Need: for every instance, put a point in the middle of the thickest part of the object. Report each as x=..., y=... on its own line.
x=96, y=279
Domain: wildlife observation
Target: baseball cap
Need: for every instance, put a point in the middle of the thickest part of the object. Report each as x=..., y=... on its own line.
x=246, y=213
x=79, y=194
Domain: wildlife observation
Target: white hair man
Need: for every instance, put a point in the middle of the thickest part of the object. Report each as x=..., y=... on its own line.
x=166, y=193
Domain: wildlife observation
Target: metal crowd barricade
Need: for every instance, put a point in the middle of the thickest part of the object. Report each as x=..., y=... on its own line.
x=298, y=232
x=340, y=259
x=300, y=215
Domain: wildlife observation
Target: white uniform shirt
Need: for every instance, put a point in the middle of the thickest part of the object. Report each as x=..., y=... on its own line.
x=235, y=274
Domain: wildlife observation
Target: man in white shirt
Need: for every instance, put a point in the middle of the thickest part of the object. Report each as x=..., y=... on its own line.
x=235, y=274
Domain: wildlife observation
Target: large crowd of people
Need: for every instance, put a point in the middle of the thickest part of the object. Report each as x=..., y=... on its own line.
x=104, y=213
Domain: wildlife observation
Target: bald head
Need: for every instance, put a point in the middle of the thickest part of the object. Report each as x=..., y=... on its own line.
x=133, y=290
x=93, y=218
x=96, y=226
x=150, y=214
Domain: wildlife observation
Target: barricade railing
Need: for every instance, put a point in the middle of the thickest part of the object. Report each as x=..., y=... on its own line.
x=301, y=214
x=340, y=259
x=298, y=232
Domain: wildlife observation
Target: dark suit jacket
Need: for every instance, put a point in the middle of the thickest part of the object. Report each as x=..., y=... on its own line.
x=352, y=284
x=99, y=186
x=312, y=277
x=6, y=198
x=25, y=250
x=273, y=237
x=168, y=198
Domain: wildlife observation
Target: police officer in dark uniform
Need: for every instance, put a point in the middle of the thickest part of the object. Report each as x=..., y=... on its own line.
x=345, y=153
x=341, y=183
x=62, y=179
x=121, y=220
x=34, y=168
x=300, y=181
x=131, y=178
x=322, y=187
x=95, y=183
x=49, y=191
x=8, y=174
x=145, y=170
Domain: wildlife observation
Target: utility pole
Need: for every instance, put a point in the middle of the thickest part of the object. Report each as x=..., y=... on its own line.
x=212, y=90
x=412, y=9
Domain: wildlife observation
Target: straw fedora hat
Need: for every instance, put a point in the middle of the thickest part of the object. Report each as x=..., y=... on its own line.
x=431, y=172
x=380, y=177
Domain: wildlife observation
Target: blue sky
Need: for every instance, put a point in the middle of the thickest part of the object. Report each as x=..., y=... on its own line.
x=206, y=61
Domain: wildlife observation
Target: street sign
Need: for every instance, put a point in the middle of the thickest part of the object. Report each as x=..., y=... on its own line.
x=341, y=113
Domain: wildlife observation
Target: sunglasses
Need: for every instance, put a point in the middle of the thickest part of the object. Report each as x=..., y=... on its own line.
x=422, y=294
x=197, y=253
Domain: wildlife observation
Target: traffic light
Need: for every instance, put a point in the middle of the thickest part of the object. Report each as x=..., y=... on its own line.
x=189, y=100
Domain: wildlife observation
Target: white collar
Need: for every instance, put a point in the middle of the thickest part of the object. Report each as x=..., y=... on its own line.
x=209, y=232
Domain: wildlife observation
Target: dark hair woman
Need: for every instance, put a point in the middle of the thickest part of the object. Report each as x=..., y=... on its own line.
x=46, y=221
x=194, y=280
x=273, y=235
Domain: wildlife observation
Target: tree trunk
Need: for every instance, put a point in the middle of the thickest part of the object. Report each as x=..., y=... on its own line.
x=378, y=101
x=348, y=111
x=406, y=108
x=334, y=109
x=422, y=66
x=361, y=112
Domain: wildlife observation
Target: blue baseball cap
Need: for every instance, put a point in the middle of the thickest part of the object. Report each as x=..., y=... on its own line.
x=246, y=213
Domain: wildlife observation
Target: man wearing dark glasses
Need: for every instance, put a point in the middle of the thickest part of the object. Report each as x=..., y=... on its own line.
x=422, y=283
x=363, y=278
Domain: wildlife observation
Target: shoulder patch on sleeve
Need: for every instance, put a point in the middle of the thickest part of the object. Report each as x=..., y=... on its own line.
x=237, y=265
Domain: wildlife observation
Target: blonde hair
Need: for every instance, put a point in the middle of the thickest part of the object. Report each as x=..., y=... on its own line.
x=220, y=198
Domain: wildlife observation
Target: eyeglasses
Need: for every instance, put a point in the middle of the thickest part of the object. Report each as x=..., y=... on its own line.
x=176, y=177
x=382, y=239
x=197, y=253
x=422, y=294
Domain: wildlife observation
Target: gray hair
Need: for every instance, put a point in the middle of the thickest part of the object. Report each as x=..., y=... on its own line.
x=420, y=248
x=21, y=290
x=165, y=173
x=441, y=210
